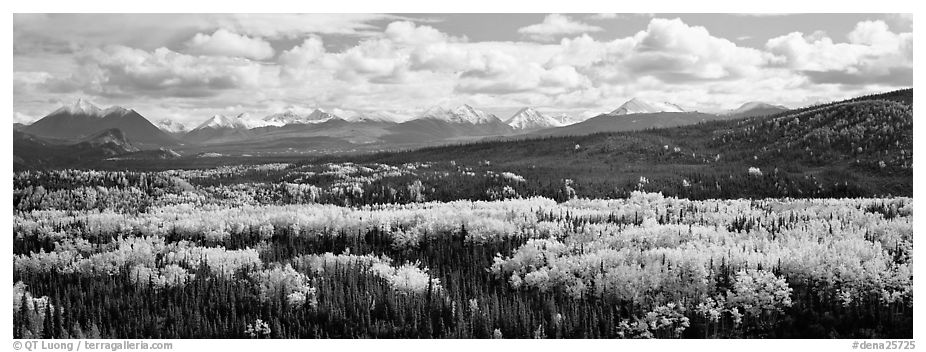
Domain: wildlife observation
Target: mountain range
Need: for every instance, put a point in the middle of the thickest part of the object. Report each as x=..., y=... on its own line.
x=322, y=132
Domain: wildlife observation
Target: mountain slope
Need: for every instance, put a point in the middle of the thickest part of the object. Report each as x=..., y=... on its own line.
x=83, y=119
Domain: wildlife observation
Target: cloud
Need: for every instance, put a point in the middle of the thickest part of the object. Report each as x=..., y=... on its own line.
x=556, y=25
x=19, y=117
x=583, y=51
x=387, y=59
x=225, y=43
x=672, y=50
x=873, y=54
x=407, y=33
x=371, y=59
x=299, y=60
x=668, y=50
x=504, y=74
x=444, y=57
x=122, y=70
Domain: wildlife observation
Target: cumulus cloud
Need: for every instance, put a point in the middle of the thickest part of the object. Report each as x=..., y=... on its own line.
x=556, y=25
x=668, y=50
x=443, y=57
x=501, y=73
x=672, y=50
x=873, y=54
x=372, y=59
x=225, y=43
x=162, y=72
x=403, y=46
x=297, y=61
x=408, y=33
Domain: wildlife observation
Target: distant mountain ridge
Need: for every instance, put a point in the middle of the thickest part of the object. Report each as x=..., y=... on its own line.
x=435, y=125
x=83, y=119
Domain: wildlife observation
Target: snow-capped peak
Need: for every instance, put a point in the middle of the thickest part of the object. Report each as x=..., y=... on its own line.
x=81, y=107
x=222, y=121
x=86, y=108
x=640, y=106
x=461, y=114
x=530, y=119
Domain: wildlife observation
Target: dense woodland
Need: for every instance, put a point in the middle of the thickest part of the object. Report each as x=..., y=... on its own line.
x=92, y=245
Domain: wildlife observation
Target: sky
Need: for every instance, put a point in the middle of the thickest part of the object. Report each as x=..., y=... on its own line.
x=188, y=67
